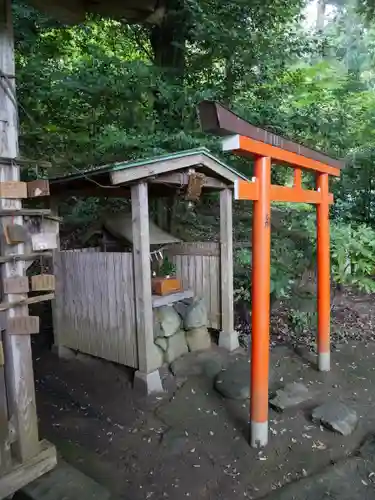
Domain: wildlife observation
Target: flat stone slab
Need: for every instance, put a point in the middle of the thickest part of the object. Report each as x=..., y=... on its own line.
x=65, y=483
x=336, y=416
x=234, y=382
x=347, y=480
x=208, y=363
x=290, y=396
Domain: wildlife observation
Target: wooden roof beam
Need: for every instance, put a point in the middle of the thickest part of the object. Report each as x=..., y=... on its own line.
x=181, y=179
x=166, y=166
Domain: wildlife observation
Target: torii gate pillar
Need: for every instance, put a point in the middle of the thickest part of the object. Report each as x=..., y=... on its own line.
x=249, y=141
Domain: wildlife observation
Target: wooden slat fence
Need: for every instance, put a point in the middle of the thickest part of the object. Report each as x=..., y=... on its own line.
x=95, y=300
x=198, y=266
x=95, y=308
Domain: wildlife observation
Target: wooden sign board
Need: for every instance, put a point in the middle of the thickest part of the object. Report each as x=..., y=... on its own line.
x=15, y=233
x=13, y=189
x=38, y=188
x=44, y=241
x=42, y=282
x=23, y=325
x=17, y=284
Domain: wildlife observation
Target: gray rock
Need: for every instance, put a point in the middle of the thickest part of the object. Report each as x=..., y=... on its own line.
x=336, y=416
x=176, y=346
x=291, y=395
x=182, y=307
x=234, y=382
x=208, y=363
x=198, y=339
x=156, y=325
x=162, y=342
x=212, y=367
x=156, y=357
x=168, y=319
x=196, y=315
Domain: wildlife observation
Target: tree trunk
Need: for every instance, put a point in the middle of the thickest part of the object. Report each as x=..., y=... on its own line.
x=320, y=14
x=168, y=45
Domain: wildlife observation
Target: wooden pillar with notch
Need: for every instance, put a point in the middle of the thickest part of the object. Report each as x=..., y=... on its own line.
x=147, y=378
x=228, y=336
x=17, y=347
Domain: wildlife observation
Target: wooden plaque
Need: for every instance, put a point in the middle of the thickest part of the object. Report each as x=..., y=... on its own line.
x=17, y=284
x=13, y=189
x=23, y=325
x=42, y=282
x=15, y=233
x=44, y=241
x=38, y=188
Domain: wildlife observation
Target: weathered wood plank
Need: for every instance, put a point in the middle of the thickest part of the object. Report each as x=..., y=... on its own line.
x=95, y=322
x=113, y=326
x=57, y=305
x=226, y=261
x=5, y=458
x=23, y=325
x=166, y=300
x=180, y=179
x=21, y=475
x=12, y=259
x=207, y=248
x=5, y=306
x=18, y=367
x=43, y=282
x=130, y=293
x=13, y=189
x=95, y=317
x=142, y=273
x=56, y=262
x=37, y=188
x=16, y=284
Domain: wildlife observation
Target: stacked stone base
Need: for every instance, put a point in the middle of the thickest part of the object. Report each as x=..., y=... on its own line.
x=179, y=329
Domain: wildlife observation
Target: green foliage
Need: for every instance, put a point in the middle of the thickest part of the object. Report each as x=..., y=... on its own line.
x=352, y=252
x=353, y=256
x=302, y=321
x=103, y=91
x=167, y=268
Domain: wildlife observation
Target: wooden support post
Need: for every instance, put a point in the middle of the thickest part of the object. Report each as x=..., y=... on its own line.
x=18, y=360
x=54, y=207
x=228, y=336
x=260, y=305
x=323, y=258
x=297, y=178
x=148, y=363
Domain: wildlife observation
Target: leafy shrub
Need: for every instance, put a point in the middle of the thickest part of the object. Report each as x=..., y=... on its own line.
x=352, y=253
x=352, y=257
x=301, y=321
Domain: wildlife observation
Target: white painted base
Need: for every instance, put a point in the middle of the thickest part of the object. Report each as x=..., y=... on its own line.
x=324, y=361
x=148, y=383
x=63, y=352
x=259, y=434
x=229, y=340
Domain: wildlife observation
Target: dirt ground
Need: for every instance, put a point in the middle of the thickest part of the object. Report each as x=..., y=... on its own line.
x=190, y=442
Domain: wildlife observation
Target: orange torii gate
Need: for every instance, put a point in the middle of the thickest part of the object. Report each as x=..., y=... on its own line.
x=244, y=139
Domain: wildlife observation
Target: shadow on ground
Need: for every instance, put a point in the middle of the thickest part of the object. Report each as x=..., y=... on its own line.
x=191, y=442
